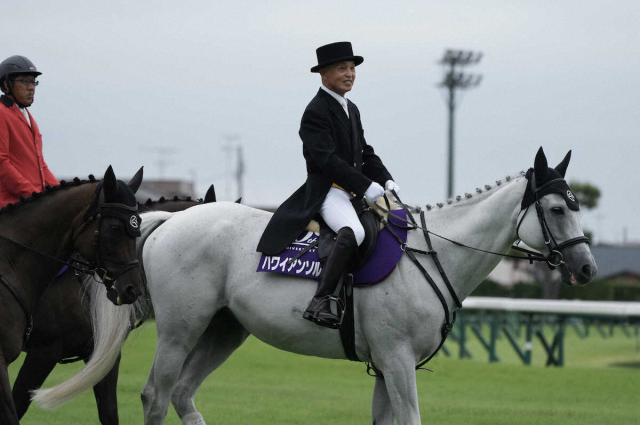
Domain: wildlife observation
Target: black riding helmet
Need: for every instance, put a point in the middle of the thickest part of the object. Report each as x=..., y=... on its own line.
x=17, y=65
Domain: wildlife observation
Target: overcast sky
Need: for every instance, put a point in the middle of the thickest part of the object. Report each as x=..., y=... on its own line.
x=133, y=83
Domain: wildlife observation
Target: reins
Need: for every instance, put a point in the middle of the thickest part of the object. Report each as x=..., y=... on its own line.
x=97, y=210
x=69, y=263
x=103, y=209
x=413, y=225
x=554, y=259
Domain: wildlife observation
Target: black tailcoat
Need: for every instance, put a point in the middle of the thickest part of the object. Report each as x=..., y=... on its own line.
x=335, y=150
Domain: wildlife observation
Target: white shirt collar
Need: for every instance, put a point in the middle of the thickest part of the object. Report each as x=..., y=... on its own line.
x=341, y=99
x=25, y=114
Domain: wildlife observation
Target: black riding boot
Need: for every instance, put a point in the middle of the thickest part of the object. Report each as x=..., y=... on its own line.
x=319, y=310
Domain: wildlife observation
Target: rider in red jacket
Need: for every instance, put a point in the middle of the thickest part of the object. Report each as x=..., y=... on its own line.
x=22, y=166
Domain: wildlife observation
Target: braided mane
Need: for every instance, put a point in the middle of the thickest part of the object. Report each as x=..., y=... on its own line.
x=48, y=191
x=479, y=192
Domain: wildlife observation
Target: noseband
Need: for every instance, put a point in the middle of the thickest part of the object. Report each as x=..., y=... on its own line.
x=97, y=211
x=555, y=257
x=128, y=215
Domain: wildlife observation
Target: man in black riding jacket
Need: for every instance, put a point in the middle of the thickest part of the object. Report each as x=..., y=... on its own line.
x=340, y=166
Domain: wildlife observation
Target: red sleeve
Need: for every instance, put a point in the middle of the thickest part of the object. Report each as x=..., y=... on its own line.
x=49, y=178
x=10, y=178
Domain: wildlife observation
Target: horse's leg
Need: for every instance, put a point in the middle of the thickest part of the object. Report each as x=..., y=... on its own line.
x=221, y=338
x=8, y=414
x=167, y=363
x=105, y=393
x=397, y=367
x=35, y=369
x=381, y=413
x=176, y=339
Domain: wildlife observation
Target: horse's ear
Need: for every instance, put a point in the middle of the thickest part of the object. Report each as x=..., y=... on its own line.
x=109, y=183
x=210, y=196
x=562, y=167
x=136, y=180
x=540, y=165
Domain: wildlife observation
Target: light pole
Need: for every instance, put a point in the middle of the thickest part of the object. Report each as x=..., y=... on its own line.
x=455, y=79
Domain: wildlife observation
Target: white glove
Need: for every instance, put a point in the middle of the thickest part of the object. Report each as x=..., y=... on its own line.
x=391, y=185
x=374, y=191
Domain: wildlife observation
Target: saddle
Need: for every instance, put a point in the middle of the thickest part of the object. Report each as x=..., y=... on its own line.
x=372, y=220
x=372, y=225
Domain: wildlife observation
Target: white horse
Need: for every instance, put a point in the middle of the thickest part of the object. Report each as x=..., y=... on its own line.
x=207, y=296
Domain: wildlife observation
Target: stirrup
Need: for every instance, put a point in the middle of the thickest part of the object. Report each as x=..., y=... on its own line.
x=330, y=320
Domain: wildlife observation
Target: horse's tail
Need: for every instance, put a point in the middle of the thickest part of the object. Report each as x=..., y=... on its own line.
x=111, y=325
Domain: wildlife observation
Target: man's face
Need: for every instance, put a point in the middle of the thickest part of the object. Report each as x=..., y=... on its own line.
x=24, y=89
x=339, y=77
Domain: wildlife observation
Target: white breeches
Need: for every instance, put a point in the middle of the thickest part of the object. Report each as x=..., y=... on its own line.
x=338, y=212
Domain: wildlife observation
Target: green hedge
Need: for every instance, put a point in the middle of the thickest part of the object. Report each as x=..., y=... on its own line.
x=603, y=290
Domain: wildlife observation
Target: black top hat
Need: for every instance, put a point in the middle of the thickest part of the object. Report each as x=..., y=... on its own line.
x=335, y=52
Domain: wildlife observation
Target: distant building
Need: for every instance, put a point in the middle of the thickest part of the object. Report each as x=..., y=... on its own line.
x=616, y=261
x=509, y=272
x=154, y=189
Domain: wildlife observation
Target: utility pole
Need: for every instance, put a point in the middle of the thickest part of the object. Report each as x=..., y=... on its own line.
x=228, y=148
x=232, y=144
x=456, y=79
x=240, y=171
x=164, y=153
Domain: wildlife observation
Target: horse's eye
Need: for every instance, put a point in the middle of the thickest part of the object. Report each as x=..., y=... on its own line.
x=557, y=210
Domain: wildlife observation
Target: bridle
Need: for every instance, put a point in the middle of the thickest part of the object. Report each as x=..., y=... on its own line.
x=532, y=195
x=555, y=257
x=108, y=270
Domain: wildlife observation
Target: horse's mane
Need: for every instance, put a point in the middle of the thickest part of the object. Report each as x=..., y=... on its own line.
x=480, y=193
x=48, y=191
x=151, y=202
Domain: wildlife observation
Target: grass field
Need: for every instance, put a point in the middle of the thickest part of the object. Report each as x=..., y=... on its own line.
x=261, y=385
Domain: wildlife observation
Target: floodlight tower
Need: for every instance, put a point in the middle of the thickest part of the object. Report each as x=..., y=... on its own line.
x=455, y=79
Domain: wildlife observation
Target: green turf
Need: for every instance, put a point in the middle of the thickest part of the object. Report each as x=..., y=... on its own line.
x=261, y=385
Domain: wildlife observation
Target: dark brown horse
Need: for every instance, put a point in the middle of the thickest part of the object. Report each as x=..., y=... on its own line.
x=97, y=219
x=62, y=330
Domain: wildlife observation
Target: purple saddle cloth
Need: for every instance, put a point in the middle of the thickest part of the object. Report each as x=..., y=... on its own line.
x=380, y=264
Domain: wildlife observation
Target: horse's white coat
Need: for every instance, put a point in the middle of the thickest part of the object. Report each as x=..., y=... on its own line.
x=207, y=297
